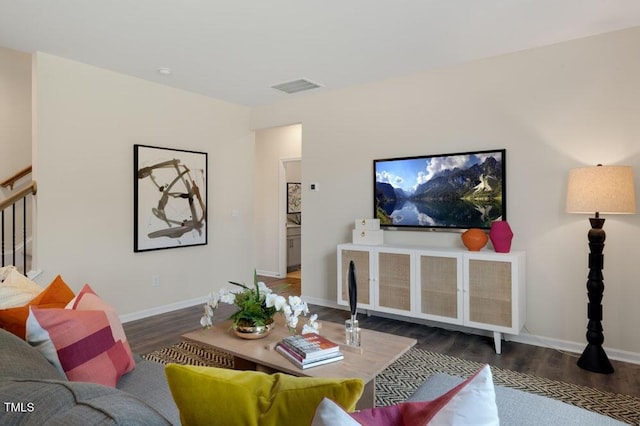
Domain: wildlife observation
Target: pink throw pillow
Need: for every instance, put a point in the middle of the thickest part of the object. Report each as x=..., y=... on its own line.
x=470, y=403
x=85, y=341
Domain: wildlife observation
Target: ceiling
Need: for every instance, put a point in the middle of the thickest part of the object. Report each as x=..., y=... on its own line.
x=236, y=50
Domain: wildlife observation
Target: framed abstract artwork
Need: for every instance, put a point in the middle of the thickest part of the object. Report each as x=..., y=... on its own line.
x=170, y=198
x=294, y=197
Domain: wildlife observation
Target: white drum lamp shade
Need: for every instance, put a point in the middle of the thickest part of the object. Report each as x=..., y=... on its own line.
x=601, y=189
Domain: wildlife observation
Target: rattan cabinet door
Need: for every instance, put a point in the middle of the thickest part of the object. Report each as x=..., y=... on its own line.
x=362, y=261
x=394, y=281
x=439, y=285
x=490, y=292
x=494, y=292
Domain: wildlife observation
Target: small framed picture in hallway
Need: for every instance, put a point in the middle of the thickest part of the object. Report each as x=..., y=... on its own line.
x=294, y=197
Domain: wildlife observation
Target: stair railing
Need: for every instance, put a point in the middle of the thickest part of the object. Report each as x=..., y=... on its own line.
x=13, y=179
x=10, y=207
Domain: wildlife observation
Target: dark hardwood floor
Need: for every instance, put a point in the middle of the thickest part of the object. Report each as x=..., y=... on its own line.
x=159, y=331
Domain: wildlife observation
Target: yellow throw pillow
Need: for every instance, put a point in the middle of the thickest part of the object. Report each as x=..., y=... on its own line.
x=208, y=395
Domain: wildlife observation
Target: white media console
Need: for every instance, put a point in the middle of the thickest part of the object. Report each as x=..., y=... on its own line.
x=478, y=289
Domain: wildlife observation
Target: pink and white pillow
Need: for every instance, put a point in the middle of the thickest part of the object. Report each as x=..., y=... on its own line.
x=85, y=341
x=470, y=403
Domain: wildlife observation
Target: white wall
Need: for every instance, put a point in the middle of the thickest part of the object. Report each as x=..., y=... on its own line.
x=272, y=146
x=293, y=170
x=15, y=115
x=552, y=108
x=87, y=121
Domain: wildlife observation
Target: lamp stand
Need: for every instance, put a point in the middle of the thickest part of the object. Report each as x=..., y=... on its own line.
x=594, y=357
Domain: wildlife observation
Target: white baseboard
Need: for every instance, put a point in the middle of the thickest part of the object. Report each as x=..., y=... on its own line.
x=573, y=347
x=323, y=302
x=33, y=274
x=162, y=309
x=270, y=274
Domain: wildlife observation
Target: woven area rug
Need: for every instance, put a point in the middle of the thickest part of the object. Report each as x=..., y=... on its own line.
x=403, y=377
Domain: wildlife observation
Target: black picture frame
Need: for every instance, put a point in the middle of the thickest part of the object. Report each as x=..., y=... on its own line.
x=294, y=197
x=170, y=198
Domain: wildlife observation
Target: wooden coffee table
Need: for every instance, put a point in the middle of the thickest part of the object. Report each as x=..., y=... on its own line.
x=377, y=352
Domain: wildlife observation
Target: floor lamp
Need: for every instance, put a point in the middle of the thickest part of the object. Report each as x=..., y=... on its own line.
x=599, y=189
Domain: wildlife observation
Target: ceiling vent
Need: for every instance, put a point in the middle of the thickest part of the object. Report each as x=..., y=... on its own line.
x=296, y=86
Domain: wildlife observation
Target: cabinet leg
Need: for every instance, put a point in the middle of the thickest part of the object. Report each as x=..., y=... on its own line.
x=497, y=341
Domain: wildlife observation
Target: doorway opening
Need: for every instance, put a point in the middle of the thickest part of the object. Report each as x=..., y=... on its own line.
x=278, y=158
x=291, y=209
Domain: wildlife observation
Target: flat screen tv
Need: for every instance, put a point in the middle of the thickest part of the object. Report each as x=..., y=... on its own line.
x=440, y=192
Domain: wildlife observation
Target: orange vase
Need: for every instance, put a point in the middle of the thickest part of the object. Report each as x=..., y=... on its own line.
x=474, y=239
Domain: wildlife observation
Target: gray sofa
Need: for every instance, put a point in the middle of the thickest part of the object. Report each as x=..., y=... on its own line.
x=33, y=392
x=519, y=408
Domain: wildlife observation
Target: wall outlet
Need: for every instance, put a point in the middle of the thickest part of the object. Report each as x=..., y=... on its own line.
x=155, y=280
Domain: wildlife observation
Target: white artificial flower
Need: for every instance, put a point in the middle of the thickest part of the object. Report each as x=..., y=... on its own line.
x=295, y=307
x=305, y=308
x=292, y=322
x=312, y=325
x=307, y=329
x=206, y=322
x=280, y=302
x=295, y=301
x=227, y=297
x=214, y=298
x=263, y=288
x=207, y=319
x=299, y=307
x=270, y=300
x=208, y=310
x=286, y=310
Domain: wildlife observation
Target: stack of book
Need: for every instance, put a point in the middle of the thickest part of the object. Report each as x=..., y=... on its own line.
x=309, y=350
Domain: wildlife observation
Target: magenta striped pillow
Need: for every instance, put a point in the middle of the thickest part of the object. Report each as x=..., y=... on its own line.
x=87, y=345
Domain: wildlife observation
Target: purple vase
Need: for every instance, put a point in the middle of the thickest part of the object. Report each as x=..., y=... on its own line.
x=501, y=236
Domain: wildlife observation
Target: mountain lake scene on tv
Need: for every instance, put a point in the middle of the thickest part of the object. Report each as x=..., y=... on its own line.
x=457, y=191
